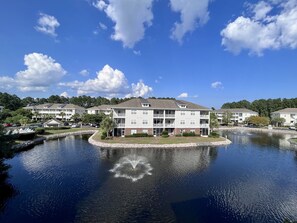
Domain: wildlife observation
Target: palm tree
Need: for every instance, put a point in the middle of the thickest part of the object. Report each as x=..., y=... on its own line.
x=107, y=125
x=62, y=114
x=36, y=115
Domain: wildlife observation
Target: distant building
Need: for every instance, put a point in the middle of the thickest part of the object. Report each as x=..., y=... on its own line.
x=53, y=123
x=106, y=109
x=238, y=115
x=153, y=116
x=1, y=108
x=55, y=110
x=289, y=114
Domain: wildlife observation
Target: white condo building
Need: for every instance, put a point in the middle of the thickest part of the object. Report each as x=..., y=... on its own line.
x=238, y=115
x=106, y=109
x=289, y=114
x=55, y=110
x=152, y=116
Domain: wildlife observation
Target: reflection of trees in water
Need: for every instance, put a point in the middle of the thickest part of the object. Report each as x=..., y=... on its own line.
x=6, y=189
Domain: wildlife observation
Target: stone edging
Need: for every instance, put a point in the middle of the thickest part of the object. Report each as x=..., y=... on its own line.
x=257, y=130
x=61, y=135
x=182, y=145
x=292, y=141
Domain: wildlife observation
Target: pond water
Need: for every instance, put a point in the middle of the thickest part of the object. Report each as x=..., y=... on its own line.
x=68, y=180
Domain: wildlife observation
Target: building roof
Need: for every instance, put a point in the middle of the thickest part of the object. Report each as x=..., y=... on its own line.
x=53, y=121
x=55, y=106
x=235, y=110
x=286, y=110
x=101, y=107
x=159, y=104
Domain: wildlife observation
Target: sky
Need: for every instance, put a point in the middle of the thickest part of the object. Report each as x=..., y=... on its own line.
x=205, y=51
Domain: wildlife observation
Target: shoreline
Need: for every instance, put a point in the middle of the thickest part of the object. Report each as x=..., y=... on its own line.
x=155, y=146
x=62, y=135
x=276, y=131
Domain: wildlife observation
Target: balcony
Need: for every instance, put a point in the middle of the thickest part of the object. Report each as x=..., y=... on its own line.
x=206, y=116
x=119, y=114
x=204, y=125
x=158, y=125
x=170, y=115
x=169, y=125
x=158, y=115
x=121, y=125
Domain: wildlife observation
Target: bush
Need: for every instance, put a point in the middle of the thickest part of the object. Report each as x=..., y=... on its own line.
x=139, y=135
x=187, y=134
x=103, y=135
x=39, y=131
x=57, y=128
x=214, y=135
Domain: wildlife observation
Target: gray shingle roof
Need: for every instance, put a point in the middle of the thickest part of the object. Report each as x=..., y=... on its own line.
x=235, y=110
x=287, y=110
x=159, y=104
x=101, y=107
x=55, y=106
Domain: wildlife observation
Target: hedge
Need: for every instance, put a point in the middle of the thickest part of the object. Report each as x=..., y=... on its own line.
x=139, y=135
x=57, y=128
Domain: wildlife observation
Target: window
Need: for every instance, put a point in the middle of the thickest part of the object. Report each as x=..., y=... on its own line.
x=192, y=130
x=182, y=113
x=182, y=122
x=240, y=114
x=144, y=122
x=145, y=131
x=133, y=122
x=192, y=122
x=133, y=131
x=145, y=105
x=145, y=112
x=133, y=112
x=192, y=113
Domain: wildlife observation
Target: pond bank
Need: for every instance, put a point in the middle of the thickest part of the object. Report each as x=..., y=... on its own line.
x=277, y=131
x=223, y=142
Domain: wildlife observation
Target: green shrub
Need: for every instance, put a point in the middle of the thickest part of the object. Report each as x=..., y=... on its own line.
x=139, y=135
x=39, y=131
x=187, y=134
x=214, y=135
x=57, y=128
x=103, y=135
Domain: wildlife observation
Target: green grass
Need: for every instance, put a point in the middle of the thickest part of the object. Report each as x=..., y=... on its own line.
x=157, y=140
x=51, y=132
x=294, y=140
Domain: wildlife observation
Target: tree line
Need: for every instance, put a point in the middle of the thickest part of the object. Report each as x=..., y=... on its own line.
x=264, y=106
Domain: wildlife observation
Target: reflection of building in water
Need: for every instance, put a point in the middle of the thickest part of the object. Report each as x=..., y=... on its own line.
x=192, y=160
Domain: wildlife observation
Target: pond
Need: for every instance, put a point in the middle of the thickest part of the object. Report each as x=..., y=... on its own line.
x=68, y=180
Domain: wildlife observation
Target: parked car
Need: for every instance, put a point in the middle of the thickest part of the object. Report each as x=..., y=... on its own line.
x=7, y=125
x=292, y=127
x=75, y=126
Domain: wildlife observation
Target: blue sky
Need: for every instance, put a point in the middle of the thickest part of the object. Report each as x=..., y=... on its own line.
x=208, y=52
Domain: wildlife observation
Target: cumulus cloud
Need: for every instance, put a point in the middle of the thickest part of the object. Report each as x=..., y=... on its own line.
x=47, y=24
x=7, y=83
x=110, y=82
x=183, y=95
x=42, y=71
x=64, y=94
x=217, y=85
x=263, y=30
x=192, y=14
x=131, y=18
x=140, y=90
x=84, y=72
x=102, y=26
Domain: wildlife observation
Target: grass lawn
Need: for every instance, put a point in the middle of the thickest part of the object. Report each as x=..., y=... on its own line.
x=157, y=140
x=294, y=140
x=51, y=132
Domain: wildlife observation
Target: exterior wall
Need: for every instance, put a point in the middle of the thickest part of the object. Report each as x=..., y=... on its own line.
x=291, y=118
x=136, y=120
x=180, y=130
x=94, y=111
x=139, y=130
x=238, y=117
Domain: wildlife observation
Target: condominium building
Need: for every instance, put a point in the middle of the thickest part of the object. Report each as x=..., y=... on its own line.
x=58, y=111
x=106, y=109
x=238, y=115
x=153, y=116
x=289, y=114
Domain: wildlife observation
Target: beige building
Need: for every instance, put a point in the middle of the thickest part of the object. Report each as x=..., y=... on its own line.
x=289, y=114
x=152, y=116
x=106, y=109
x=55, y=111
x=238, y=115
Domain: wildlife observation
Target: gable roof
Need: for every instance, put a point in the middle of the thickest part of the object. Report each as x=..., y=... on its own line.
x=286, y=110
x=159, y=104
x=101, y=107
x=53, y=121
x=55, y=106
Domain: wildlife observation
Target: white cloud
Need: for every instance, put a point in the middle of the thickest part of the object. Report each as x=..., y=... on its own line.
x=262, y=31
x=42, y=71
x=64, y=94
x=102, y=26
x=84, y=72
x=183, y=95
x=47, y=24
x=158, y=80
x=137, y=52
x=140, y=90
x=192, y=13
x=110, y=82
x=217, y=85
x=7, y=83
x=131, y=18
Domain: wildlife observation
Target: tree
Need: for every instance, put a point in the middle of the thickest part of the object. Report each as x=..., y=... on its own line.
x=278, y=121
x=76, y=117
x=24, y=121
x=11, y=102
x=93, y=118
x=214, y=123
x=258, y=121
x=23, y=112
x=107, y=125
x=62, y=114
x=227, y=118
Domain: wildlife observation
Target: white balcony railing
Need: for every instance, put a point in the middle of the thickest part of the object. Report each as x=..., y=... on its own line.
x=158, y=115
x=169, y=115
x=158, y=125
x=121, y=125
x=119, y=114
x=204, y=125
x=169, y=125
x=204, y=116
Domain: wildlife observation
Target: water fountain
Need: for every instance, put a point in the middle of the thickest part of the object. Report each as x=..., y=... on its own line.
x=132, y=167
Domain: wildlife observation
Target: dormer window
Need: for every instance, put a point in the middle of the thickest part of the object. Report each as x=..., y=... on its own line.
x=182, y=106
x=145, y=105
